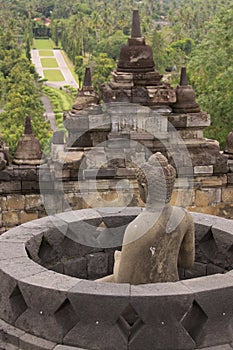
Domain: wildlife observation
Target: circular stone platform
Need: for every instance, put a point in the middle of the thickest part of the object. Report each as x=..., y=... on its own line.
x=43, y=309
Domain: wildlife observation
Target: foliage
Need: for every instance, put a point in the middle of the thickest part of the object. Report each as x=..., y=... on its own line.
x=211, y=72
x=101, y=66
x=22, y=99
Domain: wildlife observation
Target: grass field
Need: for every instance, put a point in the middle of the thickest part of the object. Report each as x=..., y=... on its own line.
x=46, y=44
x=45, y=52
x=49, y=62
x=53, y=75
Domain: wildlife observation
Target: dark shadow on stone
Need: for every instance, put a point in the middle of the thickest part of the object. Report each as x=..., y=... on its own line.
x=17, y=302
x=194, y=321
x=66, y=316
x=45, y=251
x=129, y=322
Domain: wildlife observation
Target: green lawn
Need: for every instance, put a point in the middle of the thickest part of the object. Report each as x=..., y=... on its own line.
x=46, y=53
x=49, y=62
x=53, y=75
x=46, y=44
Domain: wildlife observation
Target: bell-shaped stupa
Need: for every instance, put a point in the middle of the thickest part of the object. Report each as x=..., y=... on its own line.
x=136, y=79
x=28, y=149
x=185, y=96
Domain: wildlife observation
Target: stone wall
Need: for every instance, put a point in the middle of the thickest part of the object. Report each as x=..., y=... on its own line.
x=21, y=201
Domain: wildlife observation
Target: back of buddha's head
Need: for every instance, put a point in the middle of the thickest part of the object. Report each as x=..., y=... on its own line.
x=156, y=179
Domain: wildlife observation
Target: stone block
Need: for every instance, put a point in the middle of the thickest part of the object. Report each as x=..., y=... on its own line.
x=213, y=269
x=25, y=217
x=182, y=198
x=163, y=328
x=6, y=175
x=213, y=305
x=99, y=122
x=15, y=202
x=3, y=203
x=197, y=270
x=99, y=306
x=125, y=173
x=227, y=195
x=29, y=342
x=30, y=186
x=203, y=169
x=10, y=218
x=76, y=267
x=10, y=187
x=230, y=178
x=33, y=202
x=77, y=124
x=97, y=265
x=202, y=198
x=177, y=121
x=198, y=120
x=211, y=210
x=10, y=335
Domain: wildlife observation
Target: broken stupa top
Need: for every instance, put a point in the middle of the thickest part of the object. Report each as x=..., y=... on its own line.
x=136, y=56
x=86, y=97
x=28, y=149
x=185, y=96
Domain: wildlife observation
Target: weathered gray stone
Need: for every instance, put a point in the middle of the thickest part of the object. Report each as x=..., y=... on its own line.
x=160, y=327
x=97, y=265
x=213, y=303
x=98, y=314
x=76, y=267
x=30, y=342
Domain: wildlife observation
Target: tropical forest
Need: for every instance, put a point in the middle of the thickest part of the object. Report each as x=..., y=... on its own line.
x=197, y=34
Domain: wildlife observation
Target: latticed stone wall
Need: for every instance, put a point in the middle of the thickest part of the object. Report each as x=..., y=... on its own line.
x=49, y=309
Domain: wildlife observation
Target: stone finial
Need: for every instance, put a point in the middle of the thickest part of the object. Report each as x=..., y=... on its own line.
x=183, y=77
x=28, y=150
x=156, y=179
x=87, y=96
x=229, y=143
x=28, y=126
x=185, y=96
x=87, y=77
x=136, y=27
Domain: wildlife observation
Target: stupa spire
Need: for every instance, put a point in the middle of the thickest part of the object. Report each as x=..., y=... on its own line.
x=28, y=126
x=136, y=27
x=183, y=77
x=87, y=77
x=185, y=96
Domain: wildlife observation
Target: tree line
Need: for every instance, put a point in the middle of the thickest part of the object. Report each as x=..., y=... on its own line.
x=195, y=33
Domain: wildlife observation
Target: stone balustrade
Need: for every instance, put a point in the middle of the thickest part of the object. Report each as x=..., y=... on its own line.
x=56, y=311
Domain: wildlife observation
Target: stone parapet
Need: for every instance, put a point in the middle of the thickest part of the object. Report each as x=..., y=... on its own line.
x=46, y=309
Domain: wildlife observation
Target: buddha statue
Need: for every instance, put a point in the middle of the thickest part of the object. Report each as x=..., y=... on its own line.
x=161, y=238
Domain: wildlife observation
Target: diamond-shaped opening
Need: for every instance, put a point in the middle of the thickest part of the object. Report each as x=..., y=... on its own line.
x=66, y=316
x=194, y=321
x=45, y=250
x=17, y=302
x=208, y=245
x=129, y=322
